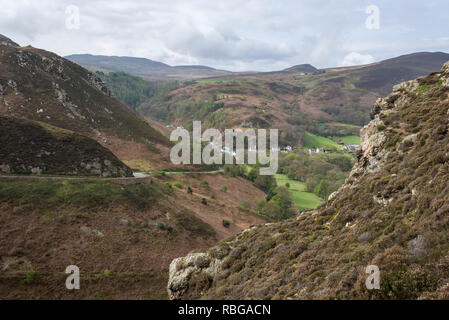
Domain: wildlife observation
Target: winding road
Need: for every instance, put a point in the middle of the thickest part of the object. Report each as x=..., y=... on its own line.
x=139, y=177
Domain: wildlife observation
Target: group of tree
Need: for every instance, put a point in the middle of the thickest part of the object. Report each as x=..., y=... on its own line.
x=278, y=204
x=133, y=90
x=323, y=173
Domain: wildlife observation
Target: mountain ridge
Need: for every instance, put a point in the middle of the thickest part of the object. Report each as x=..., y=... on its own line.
x=143, y=66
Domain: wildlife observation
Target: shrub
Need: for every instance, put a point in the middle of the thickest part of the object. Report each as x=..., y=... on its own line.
x=224, y=188
x=167, y=227
x=245, y=205
x=191, y=223
x=177, y=185
x=205, y=183
x=226, y=223
x=189, y=190
x=30, y=276
x=204, y=201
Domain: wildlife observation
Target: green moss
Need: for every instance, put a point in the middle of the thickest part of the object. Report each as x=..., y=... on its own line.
x=422, y=89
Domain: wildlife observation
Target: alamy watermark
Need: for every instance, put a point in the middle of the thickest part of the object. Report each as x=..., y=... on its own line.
x=72, y=20
x=73, y=280
x=373, y=280
x=212, y=153
x=372, y=22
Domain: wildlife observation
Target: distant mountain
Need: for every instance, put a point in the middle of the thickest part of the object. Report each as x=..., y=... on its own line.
x=301, y=68
x=195, y=67
x=383, y=75
x=143, y=67
x=125, y=64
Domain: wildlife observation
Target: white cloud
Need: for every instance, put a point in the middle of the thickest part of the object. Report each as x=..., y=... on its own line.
x=355, y=58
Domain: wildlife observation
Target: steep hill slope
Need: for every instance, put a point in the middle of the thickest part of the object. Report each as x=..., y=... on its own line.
x=39, y=85
x=35, y=147
x=392, y=211
x=325, y=102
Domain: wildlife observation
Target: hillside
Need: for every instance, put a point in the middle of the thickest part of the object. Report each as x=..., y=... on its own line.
x=391, y=212
x=329, y=102
x=41, y=86
x=121, y=233
x=143, y=67
x=40, y=148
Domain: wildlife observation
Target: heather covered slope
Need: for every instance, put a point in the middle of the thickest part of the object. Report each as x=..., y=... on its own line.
x=392, y=211
x=39, y=148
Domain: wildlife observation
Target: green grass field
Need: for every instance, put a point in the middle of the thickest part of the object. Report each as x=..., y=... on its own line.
x=350, y=139
x=301, y=198
x=314, y=141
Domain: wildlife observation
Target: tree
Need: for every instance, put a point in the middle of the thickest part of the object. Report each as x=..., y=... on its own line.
x=265, y=182
x=272, y=210
x=322, y=189
x=282, y=198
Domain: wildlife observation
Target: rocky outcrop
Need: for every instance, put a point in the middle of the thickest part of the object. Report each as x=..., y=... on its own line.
x=198, y=264
x=8, y=42
x=30, y=147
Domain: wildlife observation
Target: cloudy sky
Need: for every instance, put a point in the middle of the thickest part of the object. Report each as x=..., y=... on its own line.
x=234, y=35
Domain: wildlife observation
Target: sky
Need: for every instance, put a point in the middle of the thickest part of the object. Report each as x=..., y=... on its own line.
x=233, y=35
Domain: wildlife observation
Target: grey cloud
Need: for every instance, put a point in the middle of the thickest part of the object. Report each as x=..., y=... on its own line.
x=236, y=35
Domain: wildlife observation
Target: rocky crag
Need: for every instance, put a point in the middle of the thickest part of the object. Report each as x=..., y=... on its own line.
x=392, y=211
x=30, y=147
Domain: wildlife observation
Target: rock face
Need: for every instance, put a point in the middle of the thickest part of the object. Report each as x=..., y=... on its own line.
x=36, y=148
x=392, y=212
x=8, y=42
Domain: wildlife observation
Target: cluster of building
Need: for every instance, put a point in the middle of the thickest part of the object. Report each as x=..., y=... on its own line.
x=347, y=148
